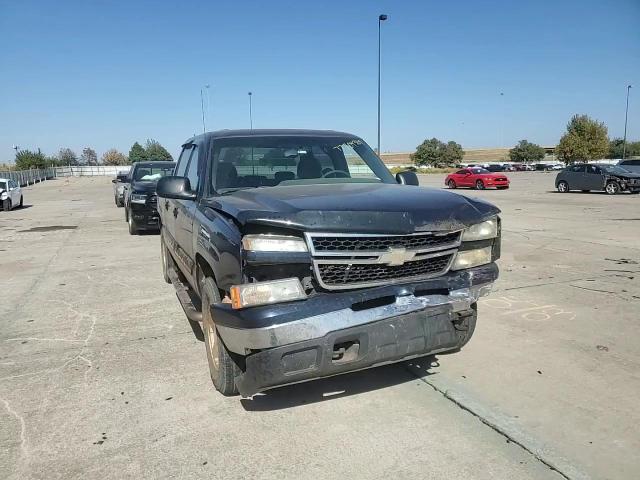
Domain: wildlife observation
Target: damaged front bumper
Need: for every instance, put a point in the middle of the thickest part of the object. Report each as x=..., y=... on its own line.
x=335, y=332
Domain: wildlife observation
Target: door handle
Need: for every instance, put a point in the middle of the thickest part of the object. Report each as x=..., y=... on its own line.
x=175, y=212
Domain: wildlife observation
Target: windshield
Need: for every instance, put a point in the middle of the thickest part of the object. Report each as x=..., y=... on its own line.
x=152, y=173
x=616, y=170
x=479, y=170
x=251, y=162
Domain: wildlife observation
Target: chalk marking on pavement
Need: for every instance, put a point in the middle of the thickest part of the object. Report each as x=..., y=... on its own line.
x=23, y=426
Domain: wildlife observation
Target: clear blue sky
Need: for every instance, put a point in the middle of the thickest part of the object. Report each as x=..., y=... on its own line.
x=104, y=74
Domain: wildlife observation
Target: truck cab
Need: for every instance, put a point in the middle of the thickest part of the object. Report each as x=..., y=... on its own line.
x=301, y=256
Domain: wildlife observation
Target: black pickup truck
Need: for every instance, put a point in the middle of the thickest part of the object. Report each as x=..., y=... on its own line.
x=139, y=195
x=302, y=256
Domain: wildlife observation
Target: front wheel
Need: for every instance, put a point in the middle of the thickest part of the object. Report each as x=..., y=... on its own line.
x=222, y=367
x=612, y=188
x=563, y=187
x=479, y=185
x=167, y=261
x=133, y=229
x=7, y=205
x=21, y=201
x=451, y=184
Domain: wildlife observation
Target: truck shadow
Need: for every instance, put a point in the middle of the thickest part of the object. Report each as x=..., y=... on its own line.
x=340, y=386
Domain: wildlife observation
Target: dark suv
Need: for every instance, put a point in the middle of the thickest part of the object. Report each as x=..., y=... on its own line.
x=303, y=257
x=139, y=197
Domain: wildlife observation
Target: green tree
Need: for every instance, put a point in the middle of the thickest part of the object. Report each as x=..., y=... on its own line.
x=89, y=156
x=585, y=139
x=526, y=151
x=155, y=151
x=137, y=153
x=114, y=157
x=435, y=153
x=66, y=156
x=26, y=159
x=616, y=148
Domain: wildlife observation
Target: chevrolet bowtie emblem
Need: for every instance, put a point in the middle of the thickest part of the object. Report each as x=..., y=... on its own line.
x=396, y=257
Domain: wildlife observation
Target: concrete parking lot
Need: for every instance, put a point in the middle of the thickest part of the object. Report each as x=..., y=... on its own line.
x=101, y=375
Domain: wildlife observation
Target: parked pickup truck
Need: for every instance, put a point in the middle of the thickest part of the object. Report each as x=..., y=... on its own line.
x=303, y=257
x=139, y=195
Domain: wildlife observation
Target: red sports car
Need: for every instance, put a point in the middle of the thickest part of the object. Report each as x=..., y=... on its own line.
x=476, y=177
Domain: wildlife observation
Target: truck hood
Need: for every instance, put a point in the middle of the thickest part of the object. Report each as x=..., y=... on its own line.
x=144, y=186
x=362, y=207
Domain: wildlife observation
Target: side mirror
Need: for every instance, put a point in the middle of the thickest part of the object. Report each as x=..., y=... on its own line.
x=178, y=188
x=407, y=178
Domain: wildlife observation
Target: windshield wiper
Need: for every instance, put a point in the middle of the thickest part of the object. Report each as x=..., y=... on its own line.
x=236, y=189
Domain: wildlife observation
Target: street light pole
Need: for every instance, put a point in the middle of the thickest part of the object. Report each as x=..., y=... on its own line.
x=381, y=18
x=204, y=126
x=250, y=112
x=626, y=113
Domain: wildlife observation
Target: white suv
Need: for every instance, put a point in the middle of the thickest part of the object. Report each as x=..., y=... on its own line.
x=10, y=194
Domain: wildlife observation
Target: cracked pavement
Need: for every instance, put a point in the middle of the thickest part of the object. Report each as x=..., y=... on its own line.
x=102, y=377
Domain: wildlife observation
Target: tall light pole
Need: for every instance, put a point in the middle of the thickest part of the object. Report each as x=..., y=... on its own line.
x=204, y=126
x=250, y=112
x=626, y=113
x=381, y=18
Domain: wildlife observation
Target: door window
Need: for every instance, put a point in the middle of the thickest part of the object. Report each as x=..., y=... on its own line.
x=192, y=171
x=576, y=168
x=181, y=168
x=592, y=169
x=462, y=172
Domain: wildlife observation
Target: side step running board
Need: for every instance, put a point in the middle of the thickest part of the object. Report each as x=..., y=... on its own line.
x=190, y=303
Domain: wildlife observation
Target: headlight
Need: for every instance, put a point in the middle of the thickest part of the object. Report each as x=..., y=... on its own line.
x=481, y=231
x=264, y=293
x=138, y=198
x=273, y=243
x=3, y=196
x=471, y=258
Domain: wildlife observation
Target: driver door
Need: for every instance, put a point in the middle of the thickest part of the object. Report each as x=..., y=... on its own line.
x=593, y=178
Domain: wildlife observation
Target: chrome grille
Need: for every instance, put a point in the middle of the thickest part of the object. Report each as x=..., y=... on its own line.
x=343, y=261
x=153, y=201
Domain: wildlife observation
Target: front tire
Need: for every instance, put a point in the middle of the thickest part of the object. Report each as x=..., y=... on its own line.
x=222, y=368
x=7, y=205
x=563, y=187
x=612, y=188
x=133, y=229
x=451, y=184
x=479, y=185
x=167, y=261
x=21, y=201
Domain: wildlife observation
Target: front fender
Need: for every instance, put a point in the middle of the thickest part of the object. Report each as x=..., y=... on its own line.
x=218, y=242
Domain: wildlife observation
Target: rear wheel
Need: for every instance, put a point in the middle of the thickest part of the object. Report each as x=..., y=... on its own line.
x=479, y=185
x=451, y=184
x=612, y=188
x=222, y=367
x=563, y=187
